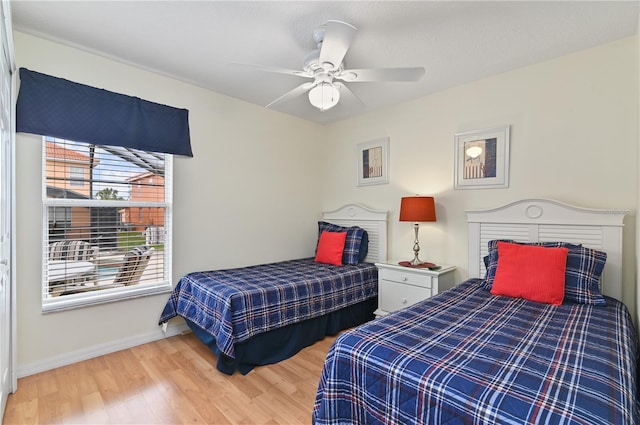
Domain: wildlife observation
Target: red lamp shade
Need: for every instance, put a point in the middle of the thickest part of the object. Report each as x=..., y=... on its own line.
x=417, y=209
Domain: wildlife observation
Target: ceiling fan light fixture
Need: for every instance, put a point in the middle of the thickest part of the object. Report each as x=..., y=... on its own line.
x=324, y=96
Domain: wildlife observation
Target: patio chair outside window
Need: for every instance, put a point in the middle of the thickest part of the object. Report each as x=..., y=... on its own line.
x=71, y=250
x=71, y=263
x=133, y=265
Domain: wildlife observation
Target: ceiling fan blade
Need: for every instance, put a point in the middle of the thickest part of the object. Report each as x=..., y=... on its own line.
x=381, y=74
x=346, y=93
x=274, y=69
x=301, y=89
x=335, y=43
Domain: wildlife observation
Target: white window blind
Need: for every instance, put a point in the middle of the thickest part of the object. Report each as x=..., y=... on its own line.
x=106, y=223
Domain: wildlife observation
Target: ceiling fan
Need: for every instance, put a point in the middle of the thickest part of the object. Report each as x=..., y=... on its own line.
x=325, y=65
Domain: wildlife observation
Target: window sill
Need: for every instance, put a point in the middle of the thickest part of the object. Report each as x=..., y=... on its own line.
x=87, y=299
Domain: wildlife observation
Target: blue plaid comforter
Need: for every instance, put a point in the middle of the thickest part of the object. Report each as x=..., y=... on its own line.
x=235, y=304
x=468, y=357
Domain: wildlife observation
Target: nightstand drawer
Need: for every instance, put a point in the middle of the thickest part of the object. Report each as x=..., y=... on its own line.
x=400, y=287
x=405, y=278
x=394, y=296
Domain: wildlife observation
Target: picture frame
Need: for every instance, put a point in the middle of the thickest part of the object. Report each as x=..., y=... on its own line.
x=482, y=159
x=373, y=162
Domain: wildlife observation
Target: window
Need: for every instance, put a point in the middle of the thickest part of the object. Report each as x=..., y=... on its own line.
x=76, y=176
x=109, y=237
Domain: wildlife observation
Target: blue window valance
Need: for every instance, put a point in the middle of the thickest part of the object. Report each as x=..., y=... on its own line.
x=52, y=106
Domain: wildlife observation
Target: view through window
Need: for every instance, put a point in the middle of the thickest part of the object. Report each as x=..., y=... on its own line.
x=107, y=216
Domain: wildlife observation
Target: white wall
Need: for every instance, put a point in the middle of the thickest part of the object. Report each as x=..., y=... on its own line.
x=249, y=195
x=574, y=138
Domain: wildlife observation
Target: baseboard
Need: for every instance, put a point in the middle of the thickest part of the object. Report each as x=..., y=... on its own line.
x=98, y=350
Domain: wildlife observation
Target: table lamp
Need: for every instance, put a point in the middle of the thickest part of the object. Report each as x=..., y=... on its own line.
x=417, y=209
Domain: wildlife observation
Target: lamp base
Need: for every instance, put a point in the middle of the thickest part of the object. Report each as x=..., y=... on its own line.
x=425, y=265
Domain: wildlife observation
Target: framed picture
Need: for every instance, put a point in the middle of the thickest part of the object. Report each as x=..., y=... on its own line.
x=373, y=162
x=482, y=159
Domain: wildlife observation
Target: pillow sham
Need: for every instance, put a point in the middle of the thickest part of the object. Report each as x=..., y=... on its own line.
x=330, y=248
x=535, y=273
x=582, y=274
x=356, y=245
x=582, y=280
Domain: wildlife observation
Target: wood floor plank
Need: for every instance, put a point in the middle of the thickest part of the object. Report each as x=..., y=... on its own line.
x=171, y=381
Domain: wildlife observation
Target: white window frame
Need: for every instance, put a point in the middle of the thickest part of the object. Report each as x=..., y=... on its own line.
x=50, y=304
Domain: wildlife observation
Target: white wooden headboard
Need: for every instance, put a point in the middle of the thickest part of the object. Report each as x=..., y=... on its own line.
x=544, y=220
x=373, y=221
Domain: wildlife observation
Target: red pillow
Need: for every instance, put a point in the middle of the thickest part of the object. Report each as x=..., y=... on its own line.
x=331, y=247
x=534, y=273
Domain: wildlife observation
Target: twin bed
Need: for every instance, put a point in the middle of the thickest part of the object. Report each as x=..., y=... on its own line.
x=468, y=355
x=266, y=313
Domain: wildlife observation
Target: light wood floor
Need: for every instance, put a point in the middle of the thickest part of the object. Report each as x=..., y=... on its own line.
x=172, y=381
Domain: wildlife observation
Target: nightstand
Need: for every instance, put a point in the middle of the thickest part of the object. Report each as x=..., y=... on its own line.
x=400, y=287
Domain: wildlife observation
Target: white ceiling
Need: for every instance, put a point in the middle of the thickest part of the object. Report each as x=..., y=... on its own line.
x=456, y=42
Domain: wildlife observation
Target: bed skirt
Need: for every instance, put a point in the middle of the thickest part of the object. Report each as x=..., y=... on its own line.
x=280, y=344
